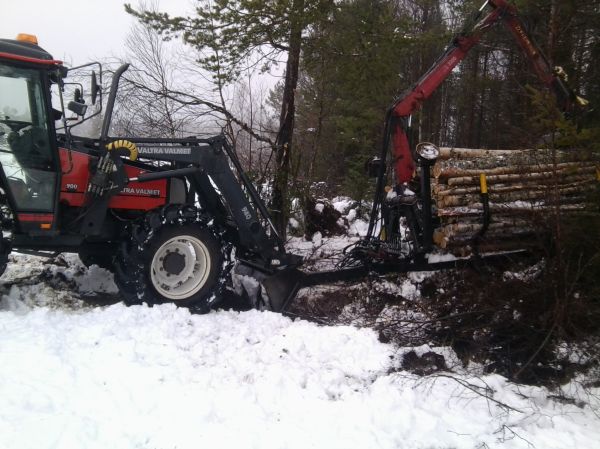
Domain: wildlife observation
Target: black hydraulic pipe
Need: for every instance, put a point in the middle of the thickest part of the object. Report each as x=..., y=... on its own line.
x=144, y=177
x=400, y=266
x=487, y=214
x=379, y=189
x=110, y=104
x=285, y=285
x=185, y=140
x=426, y=203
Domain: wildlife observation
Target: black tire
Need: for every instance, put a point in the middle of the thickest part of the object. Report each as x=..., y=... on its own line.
x=173, y=255
x=5, y=249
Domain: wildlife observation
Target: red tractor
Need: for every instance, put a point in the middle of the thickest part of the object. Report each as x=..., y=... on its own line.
x=166, y=233
x=174, y=231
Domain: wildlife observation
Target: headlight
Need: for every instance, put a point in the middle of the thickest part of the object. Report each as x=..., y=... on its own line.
x=428, y=151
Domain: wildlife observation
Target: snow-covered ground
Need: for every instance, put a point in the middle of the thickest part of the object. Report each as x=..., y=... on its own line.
x=80, y=376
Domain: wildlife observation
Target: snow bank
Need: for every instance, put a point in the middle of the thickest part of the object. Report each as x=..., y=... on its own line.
x=87, y=280
x=343, y=204
x=322, y=253
x=78, y=377
x=160, y=377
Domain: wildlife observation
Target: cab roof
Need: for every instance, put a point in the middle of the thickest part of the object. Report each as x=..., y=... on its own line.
x=25, y=52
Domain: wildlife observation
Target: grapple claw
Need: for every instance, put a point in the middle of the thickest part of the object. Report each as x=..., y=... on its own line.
x=268, y=291
x=282, y=287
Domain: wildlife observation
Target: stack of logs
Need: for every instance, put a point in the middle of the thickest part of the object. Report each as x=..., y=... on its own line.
x=523, y=185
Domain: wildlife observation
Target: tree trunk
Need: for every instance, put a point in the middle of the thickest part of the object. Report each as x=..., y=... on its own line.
x=468, y=153
x=553, y=31
x=524, y=209
x=507, y=197
x=442, y=174
x=520, y=177
x=283, y=143
x=442, y=190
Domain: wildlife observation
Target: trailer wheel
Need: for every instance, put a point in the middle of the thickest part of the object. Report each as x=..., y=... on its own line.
x=171, y=258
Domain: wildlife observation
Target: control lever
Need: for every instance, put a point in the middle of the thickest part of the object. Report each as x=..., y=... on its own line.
x=100, y=181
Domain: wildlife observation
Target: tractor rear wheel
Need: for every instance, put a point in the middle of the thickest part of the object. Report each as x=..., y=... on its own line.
x=88, y=259
x=173, y=259
x=5, y=248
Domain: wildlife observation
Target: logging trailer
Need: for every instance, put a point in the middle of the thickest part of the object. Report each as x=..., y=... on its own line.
x=173, y=219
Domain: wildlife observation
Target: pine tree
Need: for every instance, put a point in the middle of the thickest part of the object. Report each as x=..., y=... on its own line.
x=353, y=68
x=232, y=35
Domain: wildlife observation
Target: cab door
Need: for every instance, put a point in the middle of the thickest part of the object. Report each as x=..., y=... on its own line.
x=27, y=147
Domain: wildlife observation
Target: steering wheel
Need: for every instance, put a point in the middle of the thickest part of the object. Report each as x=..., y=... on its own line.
x=4, y=128
x=30, y=147
x=14, y=125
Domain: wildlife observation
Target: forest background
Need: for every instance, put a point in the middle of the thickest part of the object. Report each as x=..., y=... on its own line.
x=341, y=64
x=301, y=89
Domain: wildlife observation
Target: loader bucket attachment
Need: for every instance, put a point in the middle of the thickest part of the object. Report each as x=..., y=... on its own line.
x=282, y=287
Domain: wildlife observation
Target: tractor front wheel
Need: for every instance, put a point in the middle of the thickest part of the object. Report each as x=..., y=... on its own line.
x=183, y=262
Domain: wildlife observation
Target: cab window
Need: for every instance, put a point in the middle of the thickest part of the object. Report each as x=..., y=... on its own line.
x=25, y=150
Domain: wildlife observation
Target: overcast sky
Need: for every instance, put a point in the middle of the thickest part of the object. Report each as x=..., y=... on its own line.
x=75, y=31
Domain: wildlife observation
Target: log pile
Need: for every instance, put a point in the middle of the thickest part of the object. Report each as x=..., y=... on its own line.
x=524, y=187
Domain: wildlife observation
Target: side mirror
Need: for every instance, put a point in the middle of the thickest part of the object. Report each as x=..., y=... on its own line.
x=373, y=167
x=78, y=105
x=95, y=88
x=78, y=108
x=78, y=97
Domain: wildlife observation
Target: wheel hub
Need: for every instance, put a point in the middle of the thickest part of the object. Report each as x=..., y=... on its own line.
x=180, y=267
x=174, y=263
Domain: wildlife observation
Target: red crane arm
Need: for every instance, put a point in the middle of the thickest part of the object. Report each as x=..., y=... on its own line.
x=411, y=100
x=552, y=77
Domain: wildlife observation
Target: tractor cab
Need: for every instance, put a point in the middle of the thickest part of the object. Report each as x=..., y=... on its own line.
x=29, y=156
x=28, y=153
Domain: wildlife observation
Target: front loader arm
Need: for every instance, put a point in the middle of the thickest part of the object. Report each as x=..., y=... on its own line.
x=410, y=101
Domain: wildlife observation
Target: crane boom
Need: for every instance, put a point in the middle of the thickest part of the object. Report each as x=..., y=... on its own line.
x=410, y=101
